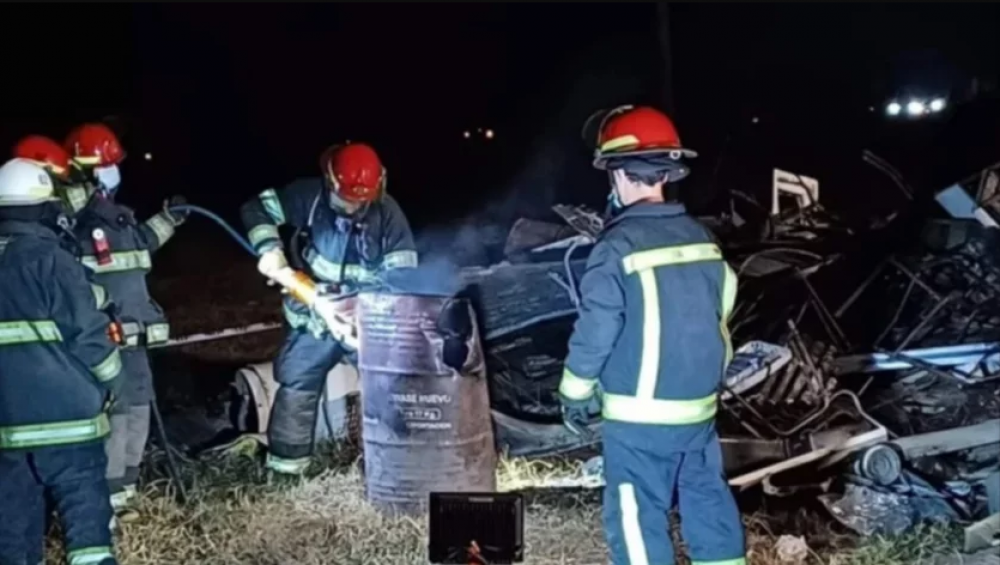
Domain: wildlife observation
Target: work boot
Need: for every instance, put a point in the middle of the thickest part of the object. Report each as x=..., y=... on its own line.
x=284, y=472
x=121, y=504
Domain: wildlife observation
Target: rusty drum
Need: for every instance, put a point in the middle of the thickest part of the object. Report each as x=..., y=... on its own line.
x=426, y=412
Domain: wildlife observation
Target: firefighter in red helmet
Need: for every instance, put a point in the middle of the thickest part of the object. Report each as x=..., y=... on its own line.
x=348, y=234
x=47, y=153
x=118, y=249
x=649, y=350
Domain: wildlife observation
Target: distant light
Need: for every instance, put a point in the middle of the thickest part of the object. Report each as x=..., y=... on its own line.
x=937, y=104
x=467, y=134
x=893, y=109
x=915, y=108
x=755, y=119
x=488, y=134
x=871, y=108
x=148, y=156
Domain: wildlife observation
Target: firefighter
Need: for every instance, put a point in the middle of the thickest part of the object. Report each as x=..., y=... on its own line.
x=118, y=248
x=59, y=372
x=651, y=346
x=50, y=155
x=47, y=153
x=348, y=232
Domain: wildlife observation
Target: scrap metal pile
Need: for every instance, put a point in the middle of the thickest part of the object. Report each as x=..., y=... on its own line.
x=869, y=383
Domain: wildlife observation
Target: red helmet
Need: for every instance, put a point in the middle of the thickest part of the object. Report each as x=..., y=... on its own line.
x=629, y=131
x=94, y=145
x=46, y=152
x=354, y=172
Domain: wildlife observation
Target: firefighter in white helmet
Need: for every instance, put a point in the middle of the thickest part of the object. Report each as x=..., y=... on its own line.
x=58, y=370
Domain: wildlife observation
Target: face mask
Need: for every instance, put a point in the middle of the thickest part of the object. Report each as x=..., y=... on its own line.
x=108, y=177
x=342, y=206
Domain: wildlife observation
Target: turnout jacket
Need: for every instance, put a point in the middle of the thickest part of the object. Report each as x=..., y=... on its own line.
x=652, y=331
x=58, y=365
x=345, y=251
x=122, y=271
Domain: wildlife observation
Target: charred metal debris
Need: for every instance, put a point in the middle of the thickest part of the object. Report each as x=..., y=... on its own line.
x=867, y=366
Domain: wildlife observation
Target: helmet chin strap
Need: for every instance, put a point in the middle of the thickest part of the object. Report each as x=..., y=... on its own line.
x=614, y=198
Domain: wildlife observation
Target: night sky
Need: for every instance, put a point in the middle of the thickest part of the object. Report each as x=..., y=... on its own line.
x=230, y=99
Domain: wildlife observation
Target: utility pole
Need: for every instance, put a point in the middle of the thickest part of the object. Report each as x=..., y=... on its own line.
x=666, y=52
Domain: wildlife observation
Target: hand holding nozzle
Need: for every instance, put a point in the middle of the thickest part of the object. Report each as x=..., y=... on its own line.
x=335, y=314
x=329, y=307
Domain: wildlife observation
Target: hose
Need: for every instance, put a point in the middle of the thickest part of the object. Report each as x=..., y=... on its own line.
x=215, y=218
x=181, y=208
x=574, y=293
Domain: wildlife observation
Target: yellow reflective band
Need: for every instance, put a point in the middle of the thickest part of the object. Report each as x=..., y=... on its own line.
x=32, y=195
x=729, y=285
x=647, y=410
x=676, y=255
x=162, y=227
x=88, y=160
x=272, y=205
x=287, y=466
x=119, y=500
x=628, y=507
x=58, y=433
x=619, y=142
x=737, y=561
x=157, y=333
x=576, y=388
x=76, y=197
x=109, y=368
x=649, y=362
x=29, y=331
x=329, y=271
x=89, y=555
x=100, y=296
x=120, y=262
x=263, y=233
x=295, y=319
x=399, y=259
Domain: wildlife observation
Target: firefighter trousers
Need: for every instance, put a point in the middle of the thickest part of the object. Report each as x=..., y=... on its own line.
x=130, y=418
x=300, y=370
x=645, y=479
x=125, y=447
x=73, y=478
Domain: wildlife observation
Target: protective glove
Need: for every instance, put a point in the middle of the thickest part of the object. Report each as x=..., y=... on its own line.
x=578, y=414
x=331, y=311
x=176, y=216
x=271, y=262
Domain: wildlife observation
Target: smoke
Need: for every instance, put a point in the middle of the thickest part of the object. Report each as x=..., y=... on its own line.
x=554, y=166
x=434, y=276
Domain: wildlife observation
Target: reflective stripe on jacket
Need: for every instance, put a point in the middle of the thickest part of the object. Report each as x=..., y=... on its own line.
x=58, y=364
x=652, y=333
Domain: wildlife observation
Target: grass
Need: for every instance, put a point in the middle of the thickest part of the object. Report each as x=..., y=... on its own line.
x=237, y=515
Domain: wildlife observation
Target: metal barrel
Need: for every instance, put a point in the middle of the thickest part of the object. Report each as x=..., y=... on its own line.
x=426, y=425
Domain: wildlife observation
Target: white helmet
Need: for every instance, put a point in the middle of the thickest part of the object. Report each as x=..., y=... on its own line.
x=24, y=183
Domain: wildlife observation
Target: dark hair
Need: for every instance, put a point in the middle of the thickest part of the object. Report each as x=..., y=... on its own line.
x=646, y=177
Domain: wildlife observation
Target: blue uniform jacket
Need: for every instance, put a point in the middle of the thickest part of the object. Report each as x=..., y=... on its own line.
x=652, y=332
x=57, y=363
x=349, y=251
x=131, y=244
